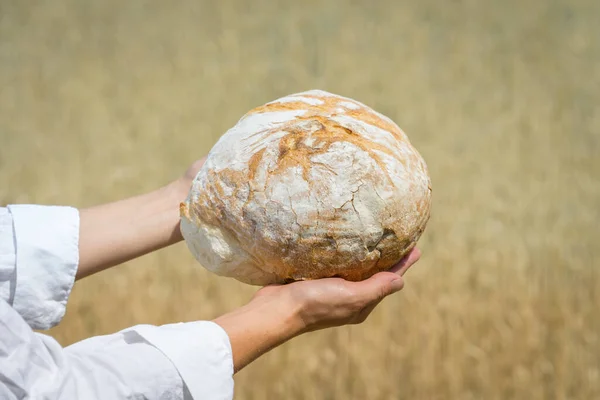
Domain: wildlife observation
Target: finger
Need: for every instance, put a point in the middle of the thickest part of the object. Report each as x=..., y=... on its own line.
x=408, y=261
x=376, y=287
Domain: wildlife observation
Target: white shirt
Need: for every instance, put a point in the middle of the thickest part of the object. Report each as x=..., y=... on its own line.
x=38, y=260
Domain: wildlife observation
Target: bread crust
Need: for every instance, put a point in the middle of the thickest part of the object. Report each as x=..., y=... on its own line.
x=308, y=186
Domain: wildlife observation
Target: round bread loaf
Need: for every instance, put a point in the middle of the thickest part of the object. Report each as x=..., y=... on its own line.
x=308, y=186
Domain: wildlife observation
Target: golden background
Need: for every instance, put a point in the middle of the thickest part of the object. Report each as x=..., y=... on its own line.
x=100, y=100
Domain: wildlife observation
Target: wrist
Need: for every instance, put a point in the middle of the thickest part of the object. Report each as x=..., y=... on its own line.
x=179, y=189
x=174, y=194
x=284, y=313
x=279, y=318
x=261, y=325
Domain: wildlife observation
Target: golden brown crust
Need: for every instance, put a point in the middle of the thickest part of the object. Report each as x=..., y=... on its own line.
x=227, y=199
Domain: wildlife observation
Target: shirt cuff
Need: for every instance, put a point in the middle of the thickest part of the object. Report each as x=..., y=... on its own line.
x=47, y=257
x=7, y=257
x=201, y=353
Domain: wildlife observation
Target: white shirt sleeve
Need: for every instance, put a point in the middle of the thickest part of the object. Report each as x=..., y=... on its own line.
x=45, y=254
x=38, y=261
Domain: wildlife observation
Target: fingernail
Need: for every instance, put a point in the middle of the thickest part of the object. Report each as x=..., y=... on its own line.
x=397, y=285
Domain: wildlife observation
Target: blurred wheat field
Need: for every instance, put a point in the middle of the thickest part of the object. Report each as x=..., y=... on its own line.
x=100, y=100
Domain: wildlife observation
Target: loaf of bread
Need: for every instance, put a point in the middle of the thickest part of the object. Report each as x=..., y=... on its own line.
x=308, y=186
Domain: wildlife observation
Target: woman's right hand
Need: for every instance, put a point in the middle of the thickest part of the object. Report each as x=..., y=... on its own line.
x=330, y=302
x=277, y=313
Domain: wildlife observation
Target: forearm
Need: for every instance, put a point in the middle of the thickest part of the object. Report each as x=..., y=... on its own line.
x=113, y=233
x=258, y=327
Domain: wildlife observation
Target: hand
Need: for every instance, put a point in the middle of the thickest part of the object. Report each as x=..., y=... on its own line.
x=277, y=313
x=330, y=302
x=188, y=177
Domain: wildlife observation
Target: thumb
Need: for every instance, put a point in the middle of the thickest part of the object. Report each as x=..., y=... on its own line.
x=379, y=286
